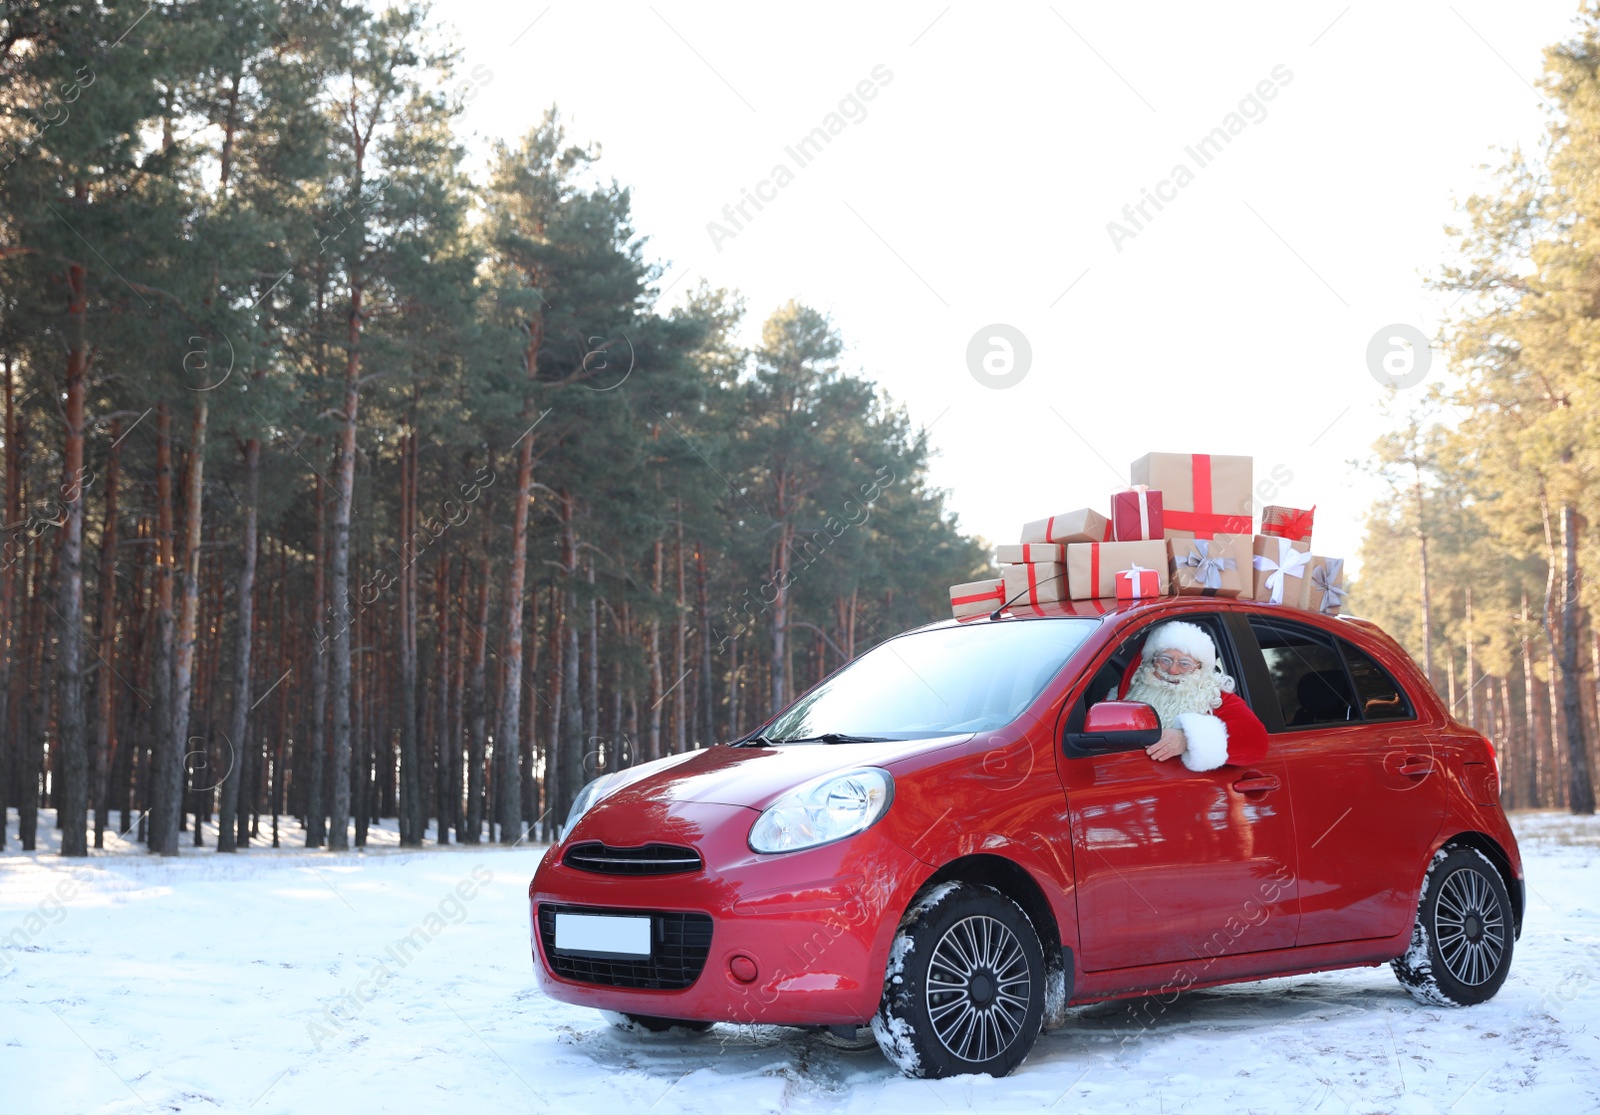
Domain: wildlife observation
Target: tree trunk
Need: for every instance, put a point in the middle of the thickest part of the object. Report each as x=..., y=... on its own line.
x=8, y=626
x=105, y=703
x=1530, y=712
x=38, y=732
x=780, y=623
x=317, y=768
x=188, y=620
x=1427, y=598
x=458, y=709
x=345, y=490
x=657, y=682
x=706, y=722
x=1580, y=787
x=570, y=759
x=411, y=810
x=166, y=762
x=680, y=647
x=444, y=748
x=478, y=701
x=508, y=734
x=72, y=728
x=244, y=633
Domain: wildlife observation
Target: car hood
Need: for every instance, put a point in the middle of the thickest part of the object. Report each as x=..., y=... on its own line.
x=753, y=777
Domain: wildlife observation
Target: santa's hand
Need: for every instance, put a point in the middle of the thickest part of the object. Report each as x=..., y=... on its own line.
x=1171, y=744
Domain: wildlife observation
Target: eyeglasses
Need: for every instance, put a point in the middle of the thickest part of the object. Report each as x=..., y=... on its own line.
x=1176, y=665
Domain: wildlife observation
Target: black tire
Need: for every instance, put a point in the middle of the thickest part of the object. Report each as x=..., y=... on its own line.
x=964, y=991
x=1462, y=942
x=650, y=1024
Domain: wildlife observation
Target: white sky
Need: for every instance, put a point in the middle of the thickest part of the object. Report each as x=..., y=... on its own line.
x=979, y=184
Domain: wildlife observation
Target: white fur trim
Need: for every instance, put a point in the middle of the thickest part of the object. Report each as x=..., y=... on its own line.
x=1207, y=737
x=1186, y=637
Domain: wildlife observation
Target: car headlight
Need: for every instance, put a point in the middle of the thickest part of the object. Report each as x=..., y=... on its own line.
x=825, y=810
x=587, y=796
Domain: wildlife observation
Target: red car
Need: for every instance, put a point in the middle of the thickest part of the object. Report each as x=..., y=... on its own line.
x=955, y=837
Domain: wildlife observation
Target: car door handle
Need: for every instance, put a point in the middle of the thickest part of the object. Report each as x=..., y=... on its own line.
x=1415, y=766
x=1256, y=784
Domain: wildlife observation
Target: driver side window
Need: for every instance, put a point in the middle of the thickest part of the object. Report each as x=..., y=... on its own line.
x=1104, y=685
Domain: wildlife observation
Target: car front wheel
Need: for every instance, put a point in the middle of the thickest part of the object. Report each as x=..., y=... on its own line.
x=1462, y=941
x=964, y=990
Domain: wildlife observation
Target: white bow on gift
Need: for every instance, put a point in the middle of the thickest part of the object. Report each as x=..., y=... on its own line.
x=1132, y=573
x=1291, y=563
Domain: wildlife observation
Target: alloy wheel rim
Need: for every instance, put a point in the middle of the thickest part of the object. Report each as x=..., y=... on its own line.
x=1469, y=927
x=978, y=989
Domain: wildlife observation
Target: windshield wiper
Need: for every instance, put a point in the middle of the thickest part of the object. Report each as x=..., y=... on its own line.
x=835, y=737
x=755, y=741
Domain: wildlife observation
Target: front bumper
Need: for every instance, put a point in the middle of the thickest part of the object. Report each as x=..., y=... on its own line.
x=816, y=925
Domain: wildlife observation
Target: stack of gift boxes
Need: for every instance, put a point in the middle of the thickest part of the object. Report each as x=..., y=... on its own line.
x=1183, y=527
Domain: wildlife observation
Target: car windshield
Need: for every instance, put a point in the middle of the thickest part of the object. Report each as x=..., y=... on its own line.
x=971, y=678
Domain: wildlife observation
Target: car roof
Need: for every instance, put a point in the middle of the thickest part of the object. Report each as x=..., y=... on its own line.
x=1116, y=609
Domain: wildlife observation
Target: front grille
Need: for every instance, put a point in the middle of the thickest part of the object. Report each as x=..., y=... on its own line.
x=679, y=945
x=652, y=859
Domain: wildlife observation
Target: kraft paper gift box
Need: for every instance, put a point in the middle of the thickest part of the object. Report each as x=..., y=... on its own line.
x=1325, y=590
x=1019, y=552
x=1138, y=583
x=1280, y=570
x=1036, y=582
x=1202, y=495
x=1136, y=515
x=1287, y=522
x=1219, y=566
x=1092, y=567
x=1082, y=525
x=977, y=597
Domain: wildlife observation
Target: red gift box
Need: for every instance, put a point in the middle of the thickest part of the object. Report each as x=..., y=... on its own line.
x=1138, y=583
x=1287, y=522
x=1136, y=515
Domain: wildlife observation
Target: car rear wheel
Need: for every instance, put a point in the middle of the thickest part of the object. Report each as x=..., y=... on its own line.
x=964, y=990
x=1462, y=942
x=650, y=1024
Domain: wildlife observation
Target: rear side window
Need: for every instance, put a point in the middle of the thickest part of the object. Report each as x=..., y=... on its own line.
x=1308, y=674
x=1380, y=698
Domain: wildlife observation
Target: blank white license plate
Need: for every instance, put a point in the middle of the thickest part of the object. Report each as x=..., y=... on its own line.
x=603, y=933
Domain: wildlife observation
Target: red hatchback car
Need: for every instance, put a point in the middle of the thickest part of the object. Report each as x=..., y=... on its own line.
x=956, y=836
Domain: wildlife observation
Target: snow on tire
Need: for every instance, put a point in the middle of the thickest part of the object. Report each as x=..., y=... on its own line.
x=964, y=990
x=1462, y=941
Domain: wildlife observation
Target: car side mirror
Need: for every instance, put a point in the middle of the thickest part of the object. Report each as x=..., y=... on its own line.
x=1112, y=726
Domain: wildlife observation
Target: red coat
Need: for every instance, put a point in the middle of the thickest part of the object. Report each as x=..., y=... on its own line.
x=1230, y=734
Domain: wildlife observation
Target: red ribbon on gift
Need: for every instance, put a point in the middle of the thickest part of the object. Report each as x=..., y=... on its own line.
x=996, y=593
x=1290, y=523
x=1203, y=521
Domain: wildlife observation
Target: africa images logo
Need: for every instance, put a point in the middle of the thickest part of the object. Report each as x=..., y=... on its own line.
x=802, y=153
x=1202, y=153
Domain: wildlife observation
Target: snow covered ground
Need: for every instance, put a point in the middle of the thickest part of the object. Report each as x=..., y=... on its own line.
x=280, y=981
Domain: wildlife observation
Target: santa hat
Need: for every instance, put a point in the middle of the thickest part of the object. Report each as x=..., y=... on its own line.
x=1190, y=639
x=1186, y=638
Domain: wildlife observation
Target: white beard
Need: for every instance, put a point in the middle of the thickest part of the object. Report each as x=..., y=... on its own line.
x=1200, y=692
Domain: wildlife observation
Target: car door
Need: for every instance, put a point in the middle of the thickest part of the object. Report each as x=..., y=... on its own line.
x=1366, y=808
x=1171, y=864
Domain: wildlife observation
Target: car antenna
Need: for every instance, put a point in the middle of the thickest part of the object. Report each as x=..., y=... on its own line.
x=996, y=613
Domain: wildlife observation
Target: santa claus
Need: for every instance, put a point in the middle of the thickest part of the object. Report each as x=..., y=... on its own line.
x=1203, y=719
